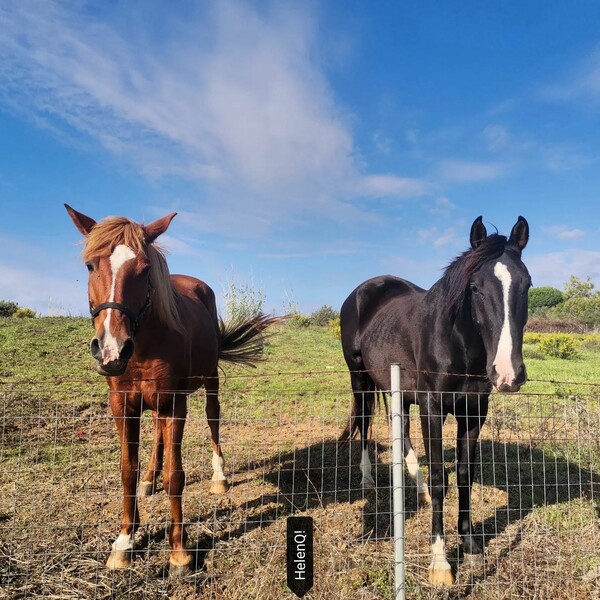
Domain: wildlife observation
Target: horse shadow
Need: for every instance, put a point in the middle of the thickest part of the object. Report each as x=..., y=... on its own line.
x=327, y=473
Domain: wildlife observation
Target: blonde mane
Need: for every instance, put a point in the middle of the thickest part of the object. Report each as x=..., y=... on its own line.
x=109, y=233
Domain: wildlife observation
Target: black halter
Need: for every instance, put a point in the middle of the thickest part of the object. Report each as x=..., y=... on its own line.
x=133, y=318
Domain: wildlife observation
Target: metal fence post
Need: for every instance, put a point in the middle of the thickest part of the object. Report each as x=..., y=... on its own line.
x=398, y=483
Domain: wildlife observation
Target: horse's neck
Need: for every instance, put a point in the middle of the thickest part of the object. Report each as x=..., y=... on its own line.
x=458, y=340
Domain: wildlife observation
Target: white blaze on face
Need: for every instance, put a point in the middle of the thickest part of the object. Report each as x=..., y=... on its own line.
x=110, y=347
x=503, y=359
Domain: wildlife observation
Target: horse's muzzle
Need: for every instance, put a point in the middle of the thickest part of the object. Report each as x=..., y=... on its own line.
x=115, y=367
x=502, y=385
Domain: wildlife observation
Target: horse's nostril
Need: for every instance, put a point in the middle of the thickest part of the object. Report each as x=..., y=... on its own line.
x=127, y=349
x=95, y=348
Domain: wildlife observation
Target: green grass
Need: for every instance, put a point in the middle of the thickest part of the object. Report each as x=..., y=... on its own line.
x=52, y=355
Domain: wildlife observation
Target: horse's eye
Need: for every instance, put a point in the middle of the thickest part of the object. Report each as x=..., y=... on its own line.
x=90, y=266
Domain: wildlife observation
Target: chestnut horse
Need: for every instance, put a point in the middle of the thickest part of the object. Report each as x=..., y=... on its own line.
x=157, y=338
x=455, y=341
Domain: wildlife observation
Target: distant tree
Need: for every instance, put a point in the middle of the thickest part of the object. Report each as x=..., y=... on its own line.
x=541, y=298
x=575, y=288
x=8, y=308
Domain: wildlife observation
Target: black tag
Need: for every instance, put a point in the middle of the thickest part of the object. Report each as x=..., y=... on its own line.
x=300, y=554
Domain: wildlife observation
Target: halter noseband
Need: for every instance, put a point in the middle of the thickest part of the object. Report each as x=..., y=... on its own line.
x=133, y=318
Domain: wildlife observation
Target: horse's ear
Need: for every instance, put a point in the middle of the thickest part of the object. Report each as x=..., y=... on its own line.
x=478, y=232
x=82, y=222
x=520, y=233
x=158, y=227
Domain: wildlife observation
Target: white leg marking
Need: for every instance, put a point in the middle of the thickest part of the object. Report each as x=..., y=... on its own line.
x=503, y=359
x=110, y=347
x=123, y=543
x=439, y=562
x=412, y=463
x=218, y=464
x=365, y=469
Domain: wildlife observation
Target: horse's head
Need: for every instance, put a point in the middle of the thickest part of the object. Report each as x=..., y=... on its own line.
x=499, y=294
x=119, y=259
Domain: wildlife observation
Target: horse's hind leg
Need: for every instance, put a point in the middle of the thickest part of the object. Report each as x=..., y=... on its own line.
x=147, y=484
x=172, y=425
x=219, y=484
x=412, y=464
x=363, y=389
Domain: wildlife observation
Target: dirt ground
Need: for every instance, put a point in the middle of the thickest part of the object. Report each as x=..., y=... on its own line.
x=536, y=501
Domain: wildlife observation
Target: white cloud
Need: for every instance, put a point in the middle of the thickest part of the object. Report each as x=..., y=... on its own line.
x=466, y=171
x=583, y=81
x=233, y=98
x=555, y=268
x=564, y=233
x=379, y=186
x=436, y=237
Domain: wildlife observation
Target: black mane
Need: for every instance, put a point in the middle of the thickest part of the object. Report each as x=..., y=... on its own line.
x=454, y=284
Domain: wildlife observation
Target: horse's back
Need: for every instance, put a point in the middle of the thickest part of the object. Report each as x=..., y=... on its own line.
x=196, y=290
x=361, y=307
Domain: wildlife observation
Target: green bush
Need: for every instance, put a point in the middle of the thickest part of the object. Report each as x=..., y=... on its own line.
x=560, y=345
x=8, y=308
x=323, y=315
x=25, y=313
x=299, y=320
x=585, y=309
x=544, y=297
x=334, y=327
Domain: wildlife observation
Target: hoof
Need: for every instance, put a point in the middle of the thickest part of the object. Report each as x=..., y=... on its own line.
x=119, y=559
x=219, y=487
x=473, y=561
x=146, y=488
x=179, y=569
x=441, y=576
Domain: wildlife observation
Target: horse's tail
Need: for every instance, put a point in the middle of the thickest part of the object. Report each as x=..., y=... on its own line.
x=243, y=339
x=363, y=404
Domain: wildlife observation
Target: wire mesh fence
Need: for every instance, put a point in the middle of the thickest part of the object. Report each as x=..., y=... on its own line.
x=535, y=500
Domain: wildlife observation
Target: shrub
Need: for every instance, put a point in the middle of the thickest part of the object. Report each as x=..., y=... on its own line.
x=25, y=313
x=544, y=297
x=560, y=345
x=334, y=328
x=243, y=301
x=299, y=320
x=323, y=315
x=585, y=309
x=8, y=308
x=549, y=325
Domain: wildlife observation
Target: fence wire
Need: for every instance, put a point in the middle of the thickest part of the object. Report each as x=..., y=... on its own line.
x=535, y=500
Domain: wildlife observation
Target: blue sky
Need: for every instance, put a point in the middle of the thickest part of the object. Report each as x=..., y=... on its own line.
x=306, y=146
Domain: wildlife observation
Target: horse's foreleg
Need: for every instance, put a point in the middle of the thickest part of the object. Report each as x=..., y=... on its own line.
x=412, y=464
x=128, y=428
x=469, y=427
x=432, y=421
x=174, y=483
x=219, y=483
x=147, y=484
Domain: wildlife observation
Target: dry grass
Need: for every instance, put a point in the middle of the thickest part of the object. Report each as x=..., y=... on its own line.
x=533, y=501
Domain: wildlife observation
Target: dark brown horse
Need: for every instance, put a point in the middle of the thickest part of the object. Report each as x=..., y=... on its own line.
x=157, y=338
